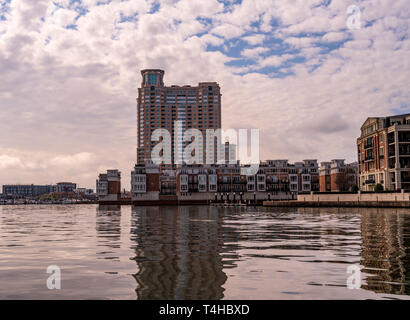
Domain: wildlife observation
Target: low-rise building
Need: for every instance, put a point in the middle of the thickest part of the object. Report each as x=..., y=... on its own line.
x=25, y=191
x=275, y=179
x=84, y=192
x=65, y=187
x=337, y=176
x=108, y=185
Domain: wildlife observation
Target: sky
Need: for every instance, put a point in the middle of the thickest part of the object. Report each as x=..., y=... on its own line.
x=70, y=70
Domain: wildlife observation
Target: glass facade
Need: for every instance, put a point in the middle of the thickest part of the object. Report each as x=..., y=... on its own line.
x=152, y=79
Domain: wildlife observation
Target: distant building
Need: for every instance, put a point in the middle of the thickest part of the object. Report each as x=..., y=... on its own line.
x=25, y=191
x=108, y=185
x=336, y=176
x=384, y=153
x=65, y=187
x=84, y=191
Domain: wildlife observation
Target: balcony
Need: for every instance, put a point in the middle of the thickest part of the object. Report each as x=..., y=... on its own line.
x=404, y=137
x=368, y=145
x=369, y=158
x=370, y=181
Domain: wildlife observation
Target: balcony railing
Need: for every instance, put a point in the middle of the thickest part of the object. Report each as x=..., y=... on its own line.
x=370, y=181
x=369, y=158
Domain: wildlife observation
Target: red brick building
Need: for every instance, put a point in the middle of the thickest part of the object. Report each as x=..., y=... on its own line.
x=336, y=176
x=159, y=106
x=384, y=153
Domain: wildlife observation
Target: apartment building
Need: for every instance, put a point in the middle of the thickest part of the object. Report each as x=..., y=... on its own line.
x=275, y=179
x=337, y=176
x=26, y=191
x=230, y=151
x=160, y=106
x=384, y=153
x=31, y=190
x=64, y=187
x=108, y=185
x=297, y=177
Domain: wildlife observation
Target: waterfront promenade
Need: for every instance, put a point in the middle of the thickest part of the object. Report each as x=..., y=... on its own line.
x=359, y=199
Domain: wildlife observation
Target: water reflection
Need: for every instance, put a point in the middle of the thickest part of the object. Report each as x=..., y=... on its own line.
x=386, y=244
x=108, y=227
x=178, y=251
x=186, y=252
x=200, y=252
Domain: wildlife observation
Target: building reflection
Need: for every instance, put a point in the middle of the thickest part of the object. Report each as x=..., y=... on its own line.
x=385, y=236
x=108, y=226
x=179, y=252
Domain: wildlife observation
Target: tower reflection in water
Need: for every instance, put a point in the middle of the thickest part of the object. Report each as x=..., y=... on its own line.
x=108, y=227
x=179, y=252
x=385, y=250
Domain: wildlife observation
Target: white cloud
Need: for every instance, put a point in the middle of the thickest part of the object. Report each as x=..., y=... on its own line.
x=7, y=162
x=67, y=96
x=255, y=39
x=254, y=52
x=335, y=36
x=228, y=31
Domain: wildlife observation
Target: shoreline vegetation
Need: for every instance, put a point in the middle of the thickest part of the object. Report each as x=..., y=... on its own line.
x=21, y=203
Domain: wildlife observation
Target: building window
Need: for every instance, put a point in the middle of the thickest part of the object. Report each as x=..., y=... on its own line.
x=152, y=79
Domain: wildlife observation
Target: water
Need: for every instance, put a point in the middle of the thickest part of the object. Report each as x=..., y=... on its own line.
x=203, y=252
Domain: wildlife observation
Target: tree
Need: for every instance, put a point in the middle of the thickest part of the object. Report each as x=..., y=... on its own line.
x=354, y=188
x=378, y=188
x=343, y=182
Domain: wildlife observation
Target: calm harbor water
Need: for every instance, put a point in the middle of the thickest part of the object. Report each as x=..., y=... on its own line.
x=202, y=252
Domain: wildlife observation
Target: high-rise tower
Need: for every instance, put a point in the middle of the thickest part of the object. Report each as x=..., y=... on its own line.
x=160, y=106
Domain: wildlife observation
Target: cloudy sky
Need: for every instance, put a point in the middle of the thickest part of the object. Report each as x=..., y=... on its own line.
x=70, y=69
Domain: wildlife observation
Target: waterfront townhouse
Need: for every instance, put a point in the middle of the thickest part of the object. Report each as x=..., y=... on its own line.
x=275, y=179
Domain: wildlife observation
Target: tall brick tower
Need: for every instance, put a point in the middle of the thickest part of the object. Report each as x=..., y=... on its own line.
x=160, y=106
